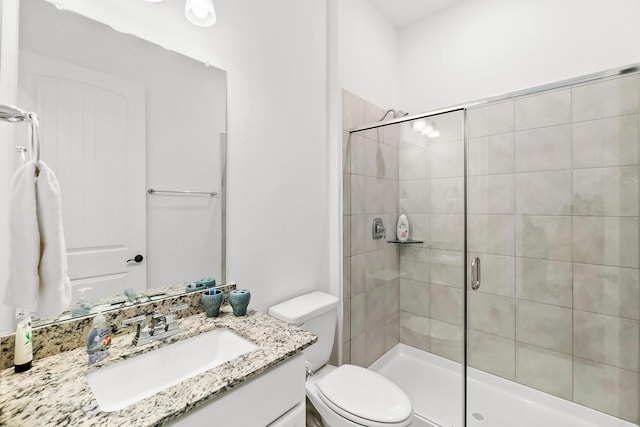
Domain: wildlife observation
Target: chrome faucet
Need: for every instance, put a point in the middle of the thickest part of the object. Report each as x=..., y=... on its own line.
x=160, y=326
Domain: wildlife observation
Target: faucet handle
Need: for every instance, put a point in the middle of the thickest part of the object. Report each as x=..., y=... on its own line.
x=138, y=319
x=172, y=310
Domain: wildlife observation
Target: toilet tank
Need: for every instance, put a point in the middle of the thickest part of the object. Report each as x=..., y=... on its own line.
x=315, y=312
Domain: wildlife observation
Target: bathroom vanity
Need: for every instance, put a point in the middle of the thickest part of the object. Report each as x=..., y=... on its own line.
x=56, y=392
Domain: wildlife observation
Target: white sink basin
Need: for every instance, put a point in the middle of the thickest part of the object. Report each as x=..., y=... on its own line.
x=125, y=383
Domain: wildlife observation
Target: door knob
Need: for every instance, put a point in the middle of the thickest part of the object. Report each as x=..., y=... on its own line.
x=137, y=258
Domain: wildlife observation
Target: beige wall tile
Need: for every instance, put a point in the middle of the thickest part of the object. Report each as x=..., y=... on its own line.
x=497, y=274
x=491, y=154
x=492, y=119
x=608, y=98
x=447, y=158
x=447, y=231
x=543, y=149
x=358, y=197
x=357, y=144
x=358, y=278
x=346, y=278
x=543, y=193
x=346, y=194
x=374, y=308
x=447, y=268
x=392, y=300
x=390, y=200
x=374, y=343
x=414, y=297
x=346, y=235
x=492, y=314
x=391, y=135
x=414, y=330
x=605, y=388
x=391, y=333
x=346, y=152
x=419, y=228
x=358, y=308
x=547, y=237
x=414, y=263
x=606, y=191
x=372, y=157
x=346, y=352
x=607, y=290
x=491, y=194
x=544, y=325
x=387, y=162
x=491, y=234
x=544, y=281
x=446, y=304
x=544, y=370
x=346, y=320
x=446, y=340
x=413, y=163
x=373, y=195
x=606, y=240
x=357, y=234
x=414, y=196
x=447, y=196
x=546, y=109
x=493, y=354
x=606, y=142
x=606, y=339
x=358, y=350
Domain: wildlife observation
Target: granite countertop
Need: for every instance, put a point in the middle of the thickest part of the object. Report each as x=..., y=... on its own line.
x=55, y=391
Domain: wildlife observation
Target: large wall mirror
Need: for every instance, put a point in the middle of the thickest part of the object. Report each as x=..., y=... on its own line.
x=120, y=115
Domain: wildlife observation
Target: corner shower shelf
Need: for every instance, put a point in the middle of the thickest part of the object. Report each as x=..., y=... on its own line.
x=408, y=242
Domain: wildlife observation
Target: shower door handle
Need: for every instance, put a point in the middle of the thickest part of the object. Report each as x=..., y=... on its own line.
x=475, y=274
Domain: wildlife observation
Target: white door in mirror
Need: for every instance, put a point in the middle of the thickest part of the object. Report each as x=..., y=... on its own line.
x=93, y=137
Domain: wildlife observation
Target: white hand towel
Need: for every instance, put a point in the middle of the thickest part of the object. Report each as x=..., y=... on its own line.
x=24, y=240
x=55, y=288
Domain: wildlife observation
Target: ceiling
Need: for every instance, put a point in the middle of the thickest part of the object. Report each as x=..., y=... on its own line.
x=406, y=12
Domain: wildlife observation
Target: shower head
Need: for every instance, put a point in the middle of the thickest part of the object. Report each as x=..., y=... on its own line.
x=395, y=113
x=10, y=113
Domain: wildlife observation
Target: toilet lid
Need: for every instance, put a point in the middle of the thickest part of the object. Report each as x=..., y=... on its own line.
x=365, y=394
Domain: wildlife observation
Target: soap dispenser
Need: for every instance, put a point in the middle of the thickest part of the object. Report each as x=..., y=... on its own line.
x=23, y=355
x=402, y=229
x=99, y=339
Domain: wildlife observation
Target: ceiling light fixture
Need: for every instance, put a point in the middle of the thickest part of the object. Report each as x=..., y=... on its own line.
x=200, y=12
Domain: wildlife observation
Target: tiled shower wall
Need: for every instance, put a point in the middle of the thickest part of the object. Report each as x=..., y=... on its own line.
x=553, y=216
x=431, y=194
x=371, y=289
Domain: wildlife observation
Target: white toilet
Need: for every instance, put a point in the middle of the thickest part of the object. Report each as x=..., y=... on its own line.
x=347, y=395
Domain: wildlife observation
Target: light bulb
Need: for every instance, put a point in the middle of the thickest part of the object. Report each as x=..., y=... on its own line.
x=419, y=125
x=428, y=128
x=434, y=134
x=200, y=12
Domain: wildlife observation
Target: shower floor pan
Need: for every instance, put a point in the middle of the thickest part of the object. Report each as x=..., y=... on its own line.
x=434, y=386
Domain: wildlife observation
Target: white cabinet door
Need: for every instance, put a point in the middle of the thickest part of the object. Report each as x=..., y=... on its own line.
x=93, y=138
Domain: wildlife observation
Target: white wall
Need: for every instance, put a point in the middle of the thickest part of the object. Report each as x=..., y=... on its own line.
x=275, y=56
x=482, y=48
x=367, y=53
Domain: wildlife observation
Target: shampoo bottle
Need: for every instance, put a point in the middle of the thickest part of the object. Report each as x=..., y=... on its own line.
x=23, y=355
x=402, y=230
x=99, y=339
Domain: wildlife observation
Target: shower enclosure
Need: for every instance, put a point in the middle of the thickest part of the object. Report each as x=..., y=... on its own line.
x=515, y=301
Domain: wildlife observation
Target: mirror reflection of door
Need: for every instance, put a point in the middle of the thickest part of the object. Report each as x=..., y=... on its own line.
x=93, y=137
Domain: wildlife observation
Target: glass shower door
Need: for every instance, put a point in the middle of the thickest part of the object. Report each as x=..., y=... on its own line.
x=553, y=255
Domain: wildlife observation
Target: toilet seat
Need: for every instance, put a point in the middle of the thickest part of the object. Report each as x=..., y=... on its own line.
x=365, y=397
